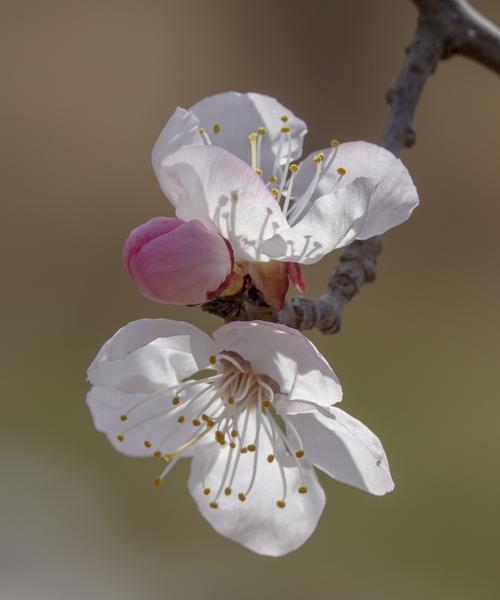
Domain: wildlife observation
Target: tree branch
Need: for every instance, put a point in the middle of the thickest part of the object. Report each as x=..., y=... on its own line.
x=444, y=28
x=463, y=30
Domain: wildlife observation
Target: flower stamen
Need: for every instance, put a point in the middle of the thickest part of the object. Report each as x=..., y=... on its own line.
x=294, y=168
x=252, y=138
x=303, y=202
x=204, y=136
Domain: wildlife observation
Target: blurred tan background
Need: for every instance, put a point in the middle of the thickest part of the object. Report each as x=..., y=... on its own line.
x=87, y=86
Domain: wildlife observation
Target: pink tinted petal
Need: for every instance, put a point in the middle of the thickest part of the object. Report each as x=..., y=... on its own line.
x=295, y=274
x=145, y=233
x=271, y=279
x=225, y=194
x=229, y=278
x=177, y=262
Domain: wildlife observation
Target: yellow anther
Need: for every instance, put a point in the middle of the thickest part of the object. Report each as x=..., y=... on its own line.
x=220, y=437
x=181, y=419
x=157, y=454
x=270, y=458
x=231, y=400
x=216, y=128
x=281, y=504
x=341, y=171
x=204, y=417
x=196, y=422
x=243, y=450
x=210, y=423
x=123, y=417
x=252, y=447
x=252, y=137
x=284, y=118
x=120, y=438
x=334, y=143
x=234, y=433
x=232, y=445
x=242, y=497
x=273, y=179
x=207, y=491
x=266, y=403
x=259, y=172
x=157, y=481
x=147, y=443
x=317, y=158
x=201, y=130
x=214, y=505
x=285, y=129
x=299, y=453
x=212, y=360
x=294, y=167
x=228, y=491
x=275, y=192
x=175, y=400
x=302, y=489
x=261, y=131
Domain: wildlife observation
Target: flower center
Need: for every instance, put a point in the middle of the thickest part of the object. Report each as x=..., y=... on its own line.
x=281, y=179
x=236, y=407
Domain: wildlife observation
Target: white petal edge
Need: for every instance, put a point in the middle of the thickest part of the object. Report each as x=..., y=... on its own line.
x=345, y=449
x=394, y=197
x=148, y=354
x=285, y=355
x=332, y=221
x=181, y=130
x=239, y=114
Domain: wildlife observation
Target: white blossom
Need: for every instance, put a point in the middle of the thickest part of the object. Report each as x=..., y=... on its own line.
x=230, y=162
x=254, y=407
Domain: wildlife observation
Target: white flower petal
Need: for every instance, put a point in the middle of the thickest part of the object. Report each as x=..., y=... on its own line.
x=345, y=449
x=257, y=523
x=394, y=196
x=225, y=194
x=180, y=130
x=238, y=115
x=141, y=424
x=149, y=354
x=332, y=221
x=286, y=356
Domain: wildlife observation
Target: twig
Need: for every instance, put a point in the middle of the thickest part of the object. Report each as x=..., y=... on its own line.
x=356, y=267
x=444, y=28
x=463, y=30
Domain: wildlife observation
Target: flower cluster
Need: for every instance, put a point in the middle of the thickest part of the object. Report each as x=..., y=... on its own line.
x=254, y=405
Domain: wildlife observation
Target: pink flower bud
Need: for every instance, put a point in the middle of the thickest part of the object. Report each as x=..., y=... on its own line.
x=178, y=262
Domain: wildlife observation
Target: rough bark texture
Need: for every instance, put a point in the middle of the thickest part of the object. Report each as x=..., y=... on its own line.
x=444, y=28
